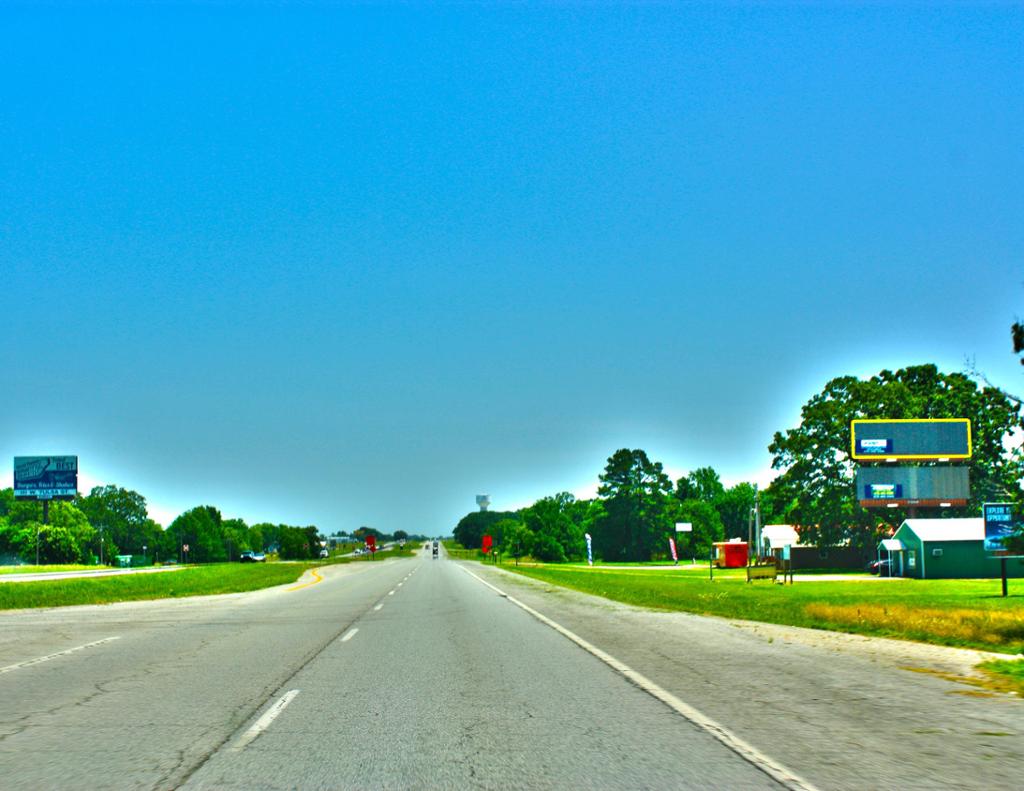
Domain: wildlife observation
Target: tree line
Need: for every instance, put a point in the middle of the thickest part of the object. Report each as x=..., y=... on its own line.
x=112, y=521
x=637, y=504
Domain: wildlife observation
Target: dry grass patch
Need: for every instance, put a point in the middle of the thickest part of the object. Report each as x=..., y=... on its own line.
x=987, y=627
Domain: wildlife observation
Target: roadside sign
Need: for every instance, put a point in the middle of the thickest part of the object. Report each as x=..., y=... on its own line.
x=45, y=477
x=486, y=544
x=787, y=551
x=672, y=546
x=684, y=527
x=929, y=439
x=1000, y=524
x=371, y=543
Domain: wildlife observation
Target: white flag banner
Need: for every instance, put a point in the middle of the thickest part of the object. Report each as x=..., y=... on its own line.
x=590, y=552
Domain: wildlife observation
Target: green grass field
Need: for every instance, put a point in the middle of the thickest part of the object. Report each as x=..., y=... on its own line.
x=190, y=581
x=967, y=613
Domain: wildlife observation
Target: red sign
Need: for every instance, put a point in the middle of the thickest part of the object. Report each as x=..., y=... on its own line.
x=371, y=543
x=486, y=546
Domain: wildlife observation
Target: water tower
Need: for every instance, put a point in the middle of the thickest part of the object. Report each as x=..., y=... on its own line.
x=483, y=500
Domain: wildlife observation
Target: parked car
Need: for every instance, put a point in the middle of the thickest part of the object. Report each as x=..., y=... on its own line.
x=252, y=557
x=324, y=553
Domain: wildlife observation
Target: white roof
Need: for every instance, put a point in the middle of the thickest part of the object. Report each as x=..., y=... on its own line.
x=780, y=535
x=947, y=529
x=892, y=545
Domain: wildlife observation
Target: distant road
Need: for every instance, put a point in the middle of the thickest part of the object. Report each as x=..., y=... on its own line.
x=64, y=575
x=423, y=674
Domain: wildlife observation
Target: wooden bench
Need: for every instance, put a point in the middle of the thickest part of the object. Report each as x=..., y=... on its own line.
x=766, y=572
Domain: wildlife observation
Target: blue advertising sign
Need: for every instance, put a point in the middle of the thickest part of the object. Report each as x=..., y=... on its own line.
x=1000, y=524
x=883, y=491
x=45, y=477
x=874, y=447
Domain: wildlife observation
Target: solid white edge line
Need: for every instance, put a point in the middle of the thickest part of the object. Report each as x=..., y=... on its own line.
x=263, y=722
x=48, y=657
x=350, y=634
x=748, y=752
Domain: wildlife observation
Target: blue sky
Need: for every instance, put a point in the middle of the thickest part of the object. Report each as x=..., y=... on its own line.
x=353, y=264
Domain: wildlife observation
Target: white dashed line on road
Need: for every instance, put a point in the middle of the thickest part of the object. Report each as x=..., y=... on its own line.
x=378, y=606
x=391, y=593
x=350, y=634
x=48, y=657
x=264, y=722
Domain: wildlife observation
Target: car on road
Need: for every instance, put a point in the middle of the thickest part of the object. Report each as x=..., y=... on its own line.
x=324, y=553
x=252, y=557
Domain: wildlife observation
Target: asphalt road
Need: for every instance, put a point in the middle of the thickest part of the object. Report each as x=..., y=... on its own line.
x=416, y=673
x=396, y=674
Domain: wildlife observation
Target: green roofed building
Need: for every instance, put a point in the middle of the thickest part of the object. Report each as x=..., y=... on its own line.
x=943, y=549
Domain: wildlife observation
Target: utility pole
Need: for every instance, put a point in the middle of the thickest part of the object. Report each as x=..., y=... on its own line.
x=757, y=520
x=750, y=534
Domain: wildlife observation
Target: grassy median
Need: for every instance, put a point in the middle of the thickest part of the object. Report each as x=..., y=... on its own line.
x=964, y=613
x=29, y=569
x=189, y=581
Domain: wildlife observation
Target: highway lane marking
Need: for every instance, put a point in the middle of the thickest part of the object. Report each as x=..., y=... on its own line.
x=400, y=584
x=350, y=634
x=48, y=657
x=391, y=593
x=317, y=578
x=748, y=752
x=263, y=722
x=378, y=606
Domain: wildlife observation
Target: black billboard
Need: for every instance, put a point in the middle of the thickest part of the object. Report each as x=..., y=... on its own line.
x=889, y=485
x=933, y=439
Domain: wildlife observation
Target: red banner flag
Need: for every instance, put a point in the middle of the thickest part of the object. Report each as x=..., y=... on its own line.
x=486, y=545
x=672, y=546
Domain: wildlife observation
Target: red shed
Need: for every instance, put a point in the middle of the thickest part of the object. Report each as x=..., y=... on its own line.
x=730, y=554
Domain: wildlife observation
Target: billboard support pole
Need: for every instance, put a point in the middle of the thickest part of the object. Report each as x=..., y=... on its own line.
x=1002, y=563
x=46, y=521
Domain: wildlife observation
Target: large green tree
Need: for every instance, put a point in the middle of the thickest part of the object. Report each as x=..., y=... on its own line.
x=816, y=487
x=707, y=527
x=701, y=484
x=120, y=518
x=201, y=529
x=557, y=528
x=471, y=528
x=638, y=509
